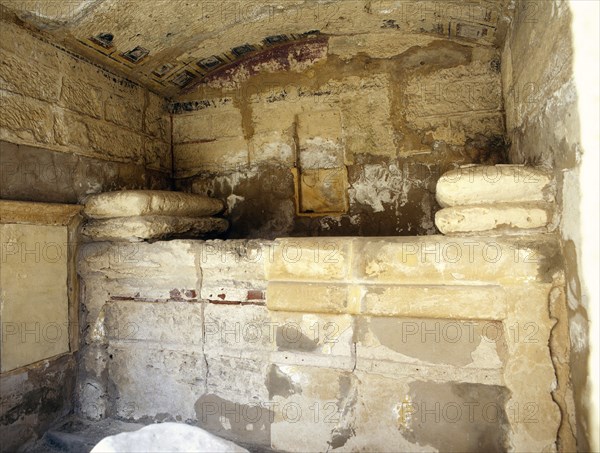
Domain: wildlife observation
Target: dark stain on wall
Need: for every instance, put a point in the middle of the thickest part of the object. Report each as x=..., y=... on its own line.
x=290, y=338
x=261, y=200
x=459, y=417
x=391, y=191
x=279, y=384
x=33, y=398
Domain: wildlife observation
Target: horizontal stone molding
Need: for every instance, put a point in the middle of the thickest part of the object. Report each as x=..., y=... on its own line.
x=405, y=301
x=37, y=213
x=426, y=260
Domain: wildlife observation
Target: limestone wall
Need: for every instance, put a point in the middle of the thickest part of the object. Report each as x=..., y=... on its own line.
x=542, y=121
x=69, y=128
x=340, y=135
x=309, y=344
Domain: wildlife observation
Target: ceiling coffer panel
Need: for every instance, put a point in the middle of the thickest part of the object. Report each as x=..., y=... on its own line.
x=168, y=45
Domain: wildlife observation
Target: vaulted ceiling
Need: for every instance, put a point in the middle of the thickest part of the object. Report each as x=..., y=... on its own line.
x=168, y=45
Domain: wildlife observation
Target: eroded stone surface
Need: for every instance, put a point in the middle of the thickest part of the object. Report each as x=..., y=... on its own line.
x=152, y=227
x=129, y=203
x=493, y=184
x=161, y=394
x=402, y=325
x=366, y=133
x=499, y=217
x=411, y=103
x=320, y=140
x=543, y=103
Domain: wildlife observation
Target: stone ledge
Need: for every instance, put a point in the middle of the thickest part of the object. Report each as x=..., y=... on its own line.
x=152, y=227
x=440, y=260
x=423, y=260
x=429, y=372
x=484, y=302
x=37, y=213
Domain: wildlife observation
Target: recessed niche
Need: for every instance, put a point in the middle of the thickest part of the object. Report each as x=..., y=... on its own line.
x=275, y=39
x=243, y=50
x=163, y=70
x=210, y=63
x=103, y=39
x=136, y=55
x=183, y=78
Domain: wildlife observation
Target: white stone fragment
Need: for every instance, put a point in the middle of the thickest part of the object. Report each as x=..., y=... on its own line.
x=499, y=216
x=128, y=203
x=167, y=437
x=483, y=184
x=134, y=229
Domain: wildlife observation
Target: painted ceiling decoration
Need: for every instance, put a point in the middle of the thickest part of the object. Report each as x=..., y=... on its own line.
x=170, y=45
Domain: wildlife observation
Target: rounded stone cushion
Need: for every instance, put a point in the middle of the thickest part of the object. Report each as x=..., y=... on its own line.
x=493, y=217
x=129, y=203
x=485, y=184
x=134, y=229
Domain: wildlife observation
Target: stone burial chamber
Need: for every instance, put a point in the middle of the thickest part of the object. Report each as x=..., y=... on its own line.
x=299, y=226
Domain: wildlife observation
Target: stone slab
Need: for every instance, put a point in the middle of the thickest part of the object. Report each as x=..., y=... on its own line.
x=489, y=217
x=135, y=229
x=310, y=259
x=308, y=297
x=446, y=302
x=34, y=303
